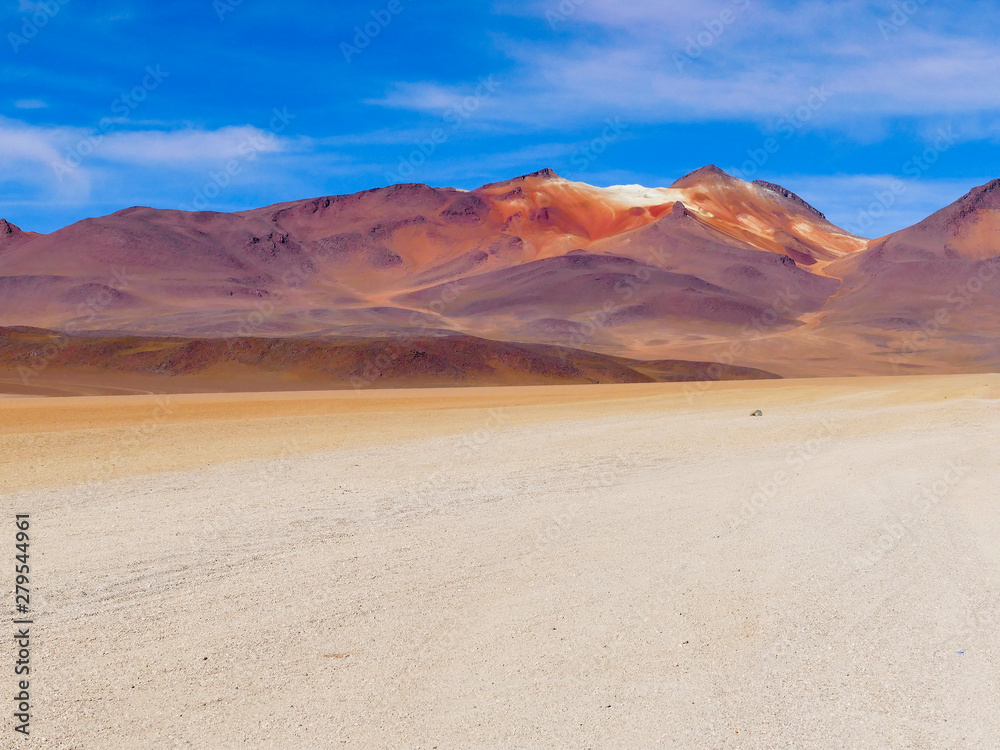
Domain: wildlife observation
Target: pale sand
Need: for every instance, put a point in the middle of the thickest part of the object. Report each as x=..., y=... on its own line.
x=585, y=567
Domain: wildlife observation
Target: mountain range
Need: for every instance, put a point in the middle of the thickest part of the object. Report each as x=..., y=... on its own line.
x=535, y=279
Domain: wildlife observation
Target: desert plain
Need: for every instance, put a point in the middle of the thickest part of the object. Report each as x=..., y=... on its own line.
x=604, y=566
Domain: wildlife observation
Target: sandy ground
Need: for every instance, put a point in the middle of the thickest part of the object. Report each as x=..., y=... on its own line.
x=561, y=567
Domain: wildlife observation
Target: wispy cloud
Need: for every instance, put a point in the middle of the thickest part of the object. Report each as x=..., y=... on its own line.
x=381, y=137
x=722, y=60
x=26, y=156
x=40, y=160
x=696, y=82
x=20, y=141
x=190, y=146
x=874, y=205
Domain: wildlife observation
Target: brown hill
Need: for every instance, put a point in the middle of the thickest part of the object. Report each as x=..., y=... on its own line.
x=711, y=269
x=39, y=361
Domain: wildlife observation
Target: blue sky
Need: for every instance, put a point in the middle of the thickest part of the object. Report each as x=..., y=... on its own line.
x=878, y=113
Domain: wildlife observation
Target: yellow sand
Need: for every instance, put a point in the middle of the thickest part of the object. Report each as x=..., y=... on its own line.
x=591, y=566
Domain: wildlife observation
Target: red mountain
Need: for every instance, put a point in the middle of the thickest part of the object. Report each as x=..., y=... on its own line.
x=711, y=269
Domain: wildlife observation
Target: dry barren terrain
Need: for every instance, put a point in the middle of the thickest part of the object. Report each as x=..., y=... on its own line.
x=624, y=566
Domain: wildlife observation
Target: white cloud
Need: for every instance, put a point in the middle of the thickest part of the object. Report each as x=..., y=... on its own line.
x=27, y=154
x=383, y=137
x=63, y=163
x=189, y=146
x=874, y=205
x=422, y=97
x=661, y=61
x=20, y=142
x=30, y=104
